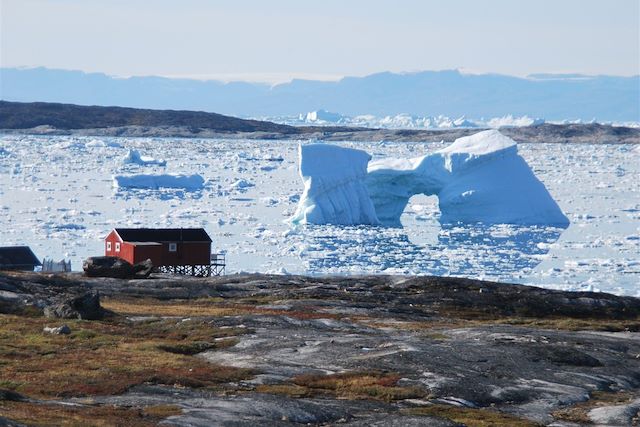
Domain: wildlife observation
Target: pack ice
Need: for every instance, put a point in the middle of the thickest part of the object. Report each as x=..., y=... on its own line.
x=479, y=178
x=154, y=182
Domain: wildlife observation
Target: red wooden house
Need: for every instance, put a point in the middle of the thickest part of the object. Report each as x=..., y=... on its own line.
x=173, y=250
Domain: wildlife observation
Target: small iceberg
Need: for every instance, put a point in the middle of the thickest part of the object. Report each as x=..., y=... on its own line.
x=242, y=185
x=134, y=157
x=155, y=182
x=103, y=144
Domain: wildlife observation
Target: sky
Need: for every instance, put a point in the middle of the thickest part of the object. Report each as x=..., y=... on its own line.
x=277, y=40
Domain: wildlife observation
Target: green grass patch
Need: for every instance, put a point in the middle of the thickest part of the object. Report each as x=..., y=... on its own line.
x=39, y=414
x=209, y=307
x=349, y=385
x=454, y=319
x=578, y=413
x=195, y=347
x=108, y=357
x=472, y=417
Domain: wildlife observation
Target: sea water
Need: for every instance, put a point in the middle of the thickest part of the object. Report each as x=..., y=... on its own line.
x=57, y=195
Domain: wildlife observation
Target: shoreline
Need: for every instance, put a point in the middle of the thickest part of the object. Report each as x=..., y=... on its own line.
x=42, y=118
x=538, y=134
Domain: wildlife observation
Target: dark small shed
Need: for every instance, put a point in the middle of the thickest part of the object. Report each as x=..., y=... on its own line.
x=18, y=258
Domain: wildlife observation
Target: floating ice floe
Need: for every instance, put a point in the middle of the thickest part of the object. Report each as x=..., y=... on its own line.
x=74, y=144
x=101, y=143
x=479, y=178
x=154, y=182
x=242, y=185
x=70, y=145
x=134, y=157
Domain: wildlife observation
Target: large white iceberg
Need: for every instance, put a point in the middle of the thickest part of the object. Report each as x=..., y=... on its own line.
x=154, y=182
x=335, y=188
x=479, y=178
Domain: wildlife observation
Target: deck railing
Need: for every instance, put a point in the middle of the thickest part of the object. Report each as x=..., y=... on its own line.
x=216, y=267
x=218, y=264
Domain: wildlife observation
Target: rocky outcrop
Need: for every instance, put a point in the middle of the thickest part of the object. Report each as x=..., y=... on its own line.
x=60, y=296
x=85, y=306
x=11, y=396
x=463, y=344
x=107, y=266
x=617, y=415
x=143, y=269
x=118, y=268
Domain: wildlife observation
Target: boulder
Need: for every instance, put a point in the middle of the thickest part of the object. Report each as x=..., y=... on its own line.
x=10, y=423
x=108, y=266
x=616, y=415
x=143, y=269
x=85, y=306
x=60, y=330
x=11, y=396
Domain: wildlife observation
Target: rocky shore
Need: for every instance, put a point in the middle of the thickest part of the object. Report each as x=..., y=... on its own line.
x=42, y=118
x=545, y=133
x=287, y=350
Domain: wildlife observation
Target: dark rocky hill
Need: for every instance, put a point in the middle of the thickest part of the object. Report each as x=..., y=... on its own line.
x=18, y=115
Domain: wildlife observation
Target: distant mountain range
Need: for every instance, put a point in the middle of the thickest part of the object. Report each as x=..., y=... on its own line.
x=428, y=93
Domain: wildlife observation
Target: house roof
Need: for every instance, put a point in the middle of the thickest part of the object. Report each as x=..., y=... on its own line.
x=163, y=234
x=17, y=256
x=145, y=243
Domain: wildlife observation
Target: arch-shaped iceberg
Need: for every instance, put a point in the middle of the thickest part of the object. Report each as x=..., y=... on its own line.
x=479, y=178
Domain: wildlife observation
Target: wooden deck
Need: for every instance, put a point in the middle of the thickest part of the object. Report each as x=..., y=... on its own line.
x=216, y=267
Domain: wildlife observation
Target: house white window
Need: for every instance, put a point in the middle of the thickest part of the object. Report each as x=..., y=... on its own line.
x=173, y=247
x=117, y=246
x=108, y=246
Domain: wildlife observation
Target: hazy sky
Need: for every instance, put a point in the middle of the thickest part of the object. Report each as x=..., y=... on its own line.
x=278, y=39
